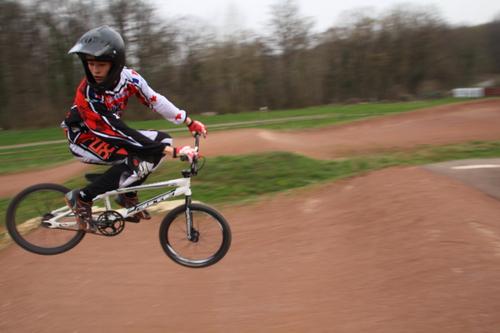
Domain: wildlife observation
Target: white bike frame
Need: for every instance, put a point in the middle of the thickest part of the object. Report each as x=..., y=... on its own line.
x=183, y=187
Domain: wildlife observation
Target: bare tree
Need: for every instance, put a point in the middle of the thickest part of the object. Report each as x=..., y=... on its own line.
x=11, y=16
x=493, y=43
x=407, y=50
x=290, y=36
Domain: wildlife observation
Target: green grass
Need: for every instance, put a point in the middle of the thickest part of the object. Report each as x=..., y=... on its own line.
x=232, y=178
x=30, y=158
x=15, y=137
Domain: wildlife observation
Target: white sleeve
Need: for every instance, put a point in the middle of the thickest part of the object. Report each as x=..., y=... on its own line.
x=157, y=102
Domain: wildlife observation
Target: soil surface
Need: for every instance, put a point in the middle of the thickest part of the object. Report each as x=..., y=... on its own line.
x=402, y=249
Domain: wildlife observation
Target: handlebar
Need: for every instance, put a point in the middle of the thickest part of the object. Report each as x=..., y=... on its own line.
x=197, y=141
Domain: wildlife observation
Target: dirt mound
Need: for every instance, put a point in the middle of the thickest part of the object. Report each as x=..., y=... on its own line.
x=397, y=250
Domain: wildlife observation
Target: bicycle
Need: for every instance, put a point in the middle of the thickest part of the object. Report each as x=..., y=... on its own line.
x=193, y=234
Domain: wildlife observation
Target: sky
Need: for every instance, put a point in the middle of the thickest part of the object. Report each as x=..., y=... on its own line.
x=253, y=14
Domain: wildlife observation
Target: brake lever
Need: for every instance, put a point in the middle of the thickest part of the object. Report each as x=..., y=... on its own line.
x=194, y=165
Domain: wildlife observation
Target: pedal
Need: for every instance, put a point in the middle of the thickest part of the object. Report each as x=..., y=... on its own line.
x=132, y=219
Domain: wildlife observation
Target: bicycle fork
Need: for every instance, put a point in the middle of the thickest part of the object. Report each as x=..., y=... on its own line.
x=192, y=234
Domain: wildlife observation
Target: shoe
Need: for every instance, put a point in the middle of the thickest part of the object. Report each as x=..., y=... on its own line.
x=127, y=202
x=82, y=210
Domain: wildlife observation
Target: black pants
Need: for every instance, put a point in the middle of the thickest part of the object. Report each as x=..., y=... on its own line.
x=121, y=173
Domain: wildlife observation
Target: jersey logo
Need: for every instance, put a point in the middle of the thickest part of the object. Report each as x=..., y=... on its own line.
x=102, y=148
x=179, y=116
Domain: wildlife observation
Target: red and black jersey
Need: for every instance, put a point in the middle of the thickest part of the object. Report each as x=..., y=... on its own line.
x=94, y=115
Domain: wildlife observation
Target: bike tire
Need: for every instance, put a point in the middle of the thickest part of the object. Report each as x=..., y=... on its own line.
x=211, y=245
x=27, y=210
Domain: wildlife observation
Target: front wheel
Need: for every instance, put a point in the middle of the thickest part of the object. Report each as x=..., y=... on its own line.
x=28, y=220
x=209, y=241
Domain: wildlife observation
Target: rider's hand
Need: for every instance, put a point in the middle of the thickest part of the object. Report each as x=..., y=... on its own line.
x=187, y=151
x=197, y=127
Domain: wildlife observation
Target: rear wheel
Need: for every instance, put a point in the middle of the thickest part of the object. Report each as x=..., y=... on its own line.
x=210, y=236
x=27, y=215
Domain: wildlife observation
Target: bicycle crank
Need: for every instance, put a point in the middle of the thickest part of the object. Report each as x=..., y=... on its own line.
x=110, y=223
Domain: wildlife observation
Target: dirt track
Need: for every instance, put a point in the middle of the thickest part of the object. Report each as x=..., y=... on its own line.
x=397, y=250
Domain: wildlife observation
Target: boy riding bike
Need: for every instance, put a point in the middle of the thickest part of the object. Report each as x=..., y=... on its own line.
x=97, y=135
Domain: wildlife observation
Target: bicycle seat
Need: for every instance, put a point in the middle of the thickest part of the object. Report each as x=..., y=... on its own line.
x=91, y=176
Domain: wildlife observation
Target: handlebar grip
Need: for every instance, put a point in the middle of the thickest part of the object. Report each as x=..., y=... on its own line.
x=184, y=158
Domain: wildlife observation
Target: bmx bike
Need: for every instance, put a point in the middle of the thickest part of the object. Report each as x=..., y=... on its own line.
x=193, y=234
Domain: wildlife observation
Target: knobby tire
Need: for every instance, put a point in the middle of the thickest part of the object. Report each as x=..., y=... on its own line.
x=213, y=236
x=28, y=209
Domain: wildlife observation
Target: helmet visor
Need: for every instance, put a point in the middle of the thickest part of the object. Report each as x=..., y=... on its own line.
x=97, y=50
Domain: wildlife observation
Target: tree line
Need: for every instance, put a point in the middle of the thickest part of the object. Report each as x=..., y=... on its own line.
x=405, y=51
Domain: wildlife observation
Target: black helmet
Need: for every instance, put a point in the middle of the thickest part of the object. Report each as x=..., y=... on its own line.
x=104, y=44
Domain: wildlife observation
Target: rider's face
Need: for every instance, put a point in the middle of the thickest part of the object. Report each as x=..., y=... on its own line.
x=99, y=69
